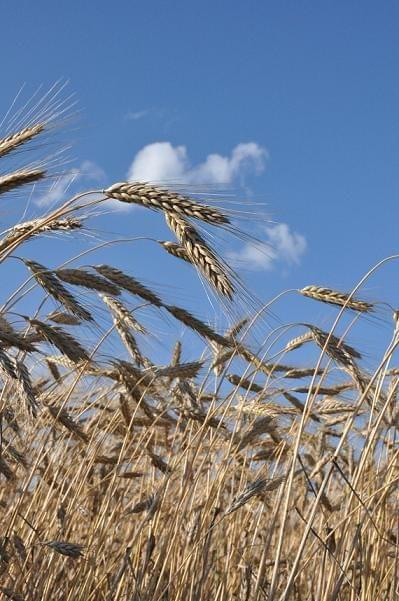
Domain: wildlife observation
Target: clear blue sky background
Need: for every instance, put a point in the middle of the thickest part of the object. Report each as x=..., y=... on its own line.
x=315, y=83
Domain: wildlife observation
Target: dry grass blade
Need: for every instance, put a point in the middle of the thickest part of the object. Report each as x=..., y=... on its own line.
x=81, y=277
x=128, y=283
x=334, y=297
x=47, y=280
x=154, y=197
x=13, y=141
x=20, y=178
x=200, y=254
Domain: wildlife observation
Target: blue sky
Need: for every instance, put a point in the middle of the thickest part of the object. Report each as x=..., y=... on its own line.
x=313, y=86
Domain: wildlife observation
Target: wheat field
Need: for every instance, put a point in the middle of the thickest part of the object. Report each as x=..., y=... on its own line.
x=252, y=471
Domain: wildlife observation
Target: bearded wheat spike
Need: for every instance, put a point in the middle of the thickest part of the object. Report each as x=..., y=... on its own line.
x=182, y=370
x=20, y=178
x=252, y=490
x=9, y=338
x=295, y=373
x=176, y=250
x=155, y=197
x=197, y=325
x=267, y=368
x=65, y=343
x=129, y=283
x=13, y=141
x=298, y=341
x=334, y=297
x=200, y=254
x=7, y=365
x=47, y=280
x=13, y=595
x=245, y=383
x=26, y=388
x=63, y=318
x=335, y=348
x=65, y=548
x=66, y=420
x=81, y=277
x=122, y=314
x=36, y=227
x=129, y=341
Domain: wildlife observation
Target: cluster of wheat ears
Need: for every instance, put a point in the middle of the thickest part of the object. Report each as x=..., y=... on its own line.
x=241, y=475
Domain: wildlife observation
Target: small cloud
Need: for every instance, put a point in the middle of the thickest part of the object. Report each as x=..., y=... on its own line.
x=91, y=171
x=88, y=171
x=161, y=161
x=290, y=246
x=136, y=115
x=281, y=246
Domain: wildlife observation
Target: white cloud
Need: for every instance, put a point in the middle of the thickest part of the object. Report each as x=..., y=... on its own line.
x=136, y=115
x=162, y=162
x=88, y=171
x=280, y=246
